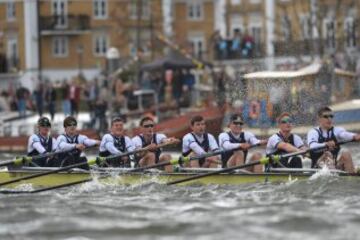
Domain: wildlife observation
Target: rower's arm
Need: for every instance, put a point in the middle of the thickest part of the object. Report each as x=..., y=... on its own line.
x=287, y=147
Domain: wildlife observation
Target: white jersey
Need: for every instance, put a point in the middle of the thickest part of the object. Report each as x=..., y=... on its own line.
x=36, y=143
x=340, y=134
x=138, y=141
x=109, y=144
x=225, y=142
x=66, y=143
x=275, y=139
x=197, y=144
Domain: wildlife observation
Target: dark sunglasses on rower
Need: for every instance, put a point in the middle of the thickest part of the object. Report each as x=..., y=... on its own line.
x=238, y=123
x=148, y=126
x=286, y=120
x=328, y=116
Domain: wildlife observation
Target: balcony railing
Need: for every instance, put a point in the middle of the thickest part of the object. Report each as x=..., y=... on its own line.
x=227, y=50
x=65, y=23
x=312, y=46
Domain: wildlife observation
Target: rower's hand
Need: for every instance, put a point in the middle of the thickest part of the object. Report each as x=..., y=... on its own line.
x=263, y=142
x=172, y=140
x=97, y=143
x=80, y=147
x=357, y=137
x=151, y=147
x=331, y=145
x=245, y=146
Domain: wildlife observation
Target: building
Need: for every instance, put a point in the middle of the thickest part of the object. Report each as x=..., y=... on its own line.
x=63, y=39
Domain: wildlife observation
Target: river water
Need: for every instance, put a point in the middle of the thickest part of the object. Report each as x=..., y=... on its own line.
x=324, y=207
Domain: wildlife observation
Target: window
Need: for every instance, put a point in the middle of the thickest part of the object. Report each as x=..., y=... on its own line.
x=101, y=45
x=12, y=52
x=329, y=33
x=144, y=42
x=198, y=45
x=100, y=9
x=60, y=47
x=305, y=26
x=145, y=8
x=350, y=33
x=10, y=11
x=236, y=25
x=59, y=10
x=286, y=28
x=195, y=10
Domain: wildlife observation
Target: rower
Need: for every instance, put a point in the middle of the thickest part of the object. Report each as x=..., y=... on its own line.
x=73, y=142
x=115, y=143
x=41, y=142
x=199, y=142
x=149, y=139
x=285, y=142
x=326, y=134
x=236, y=138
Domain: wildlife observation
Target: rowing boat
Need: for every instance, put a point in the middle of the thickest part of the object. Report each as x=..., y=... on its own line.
x=120, y=177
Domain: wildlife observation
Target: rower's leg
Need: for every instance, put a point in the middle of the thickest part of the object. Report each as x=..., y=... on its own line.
x=345, y=162
x=166, y=158
x=147, y=160
x=236, y=159
x=326, y=159
x=257, y=168
x=211, y=162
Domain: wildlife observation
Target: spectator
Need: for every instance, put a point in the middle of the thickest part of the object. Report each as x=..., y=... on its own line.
x=21, y=101
x=75, y=92
x=65, y=97
x=50, y=96
x=38, y=96
x=4, y=105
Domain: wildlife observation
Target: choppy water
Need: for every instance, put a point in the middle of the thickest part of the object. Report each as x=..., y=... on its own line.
x=325, y=207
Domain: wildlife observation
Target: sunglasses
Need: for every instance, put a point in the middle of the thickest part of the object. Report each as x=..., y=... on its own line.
x=328, y=116
x=286, y=120
x=238, y=123
x=148, y=126
x=72, y=125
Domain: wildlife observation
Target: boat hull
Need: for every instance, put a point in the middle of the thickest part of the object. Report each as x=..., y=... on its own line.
x=140, y=178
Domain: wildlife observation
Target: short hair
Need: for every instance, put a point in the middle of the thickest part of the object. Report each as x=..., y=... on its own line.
x=284, y=114
x=144, y=119
x=69, y=121
x=117, y=119
x=196, y=118
x=236, y=117
x=323, y=110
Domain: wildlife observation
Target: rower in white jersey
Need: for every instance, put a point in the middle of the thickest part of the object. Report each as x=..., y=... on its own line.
x=115, y=143
x=41, y=142
x=285, y=142
x=199, y=142
x=237, y=138
x=150, y=140
x=73, y=142
x=326, y=134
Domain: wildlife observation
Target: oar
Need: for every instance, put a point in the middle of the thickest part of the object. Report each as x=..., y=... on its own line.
x=90, y=162
x=19, y=161
x=264, y=160
x=180, y=160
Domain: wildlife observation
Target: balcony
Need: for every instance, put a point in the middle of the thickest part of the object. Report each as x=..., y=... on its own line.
x=227, y=50
x=64, y=24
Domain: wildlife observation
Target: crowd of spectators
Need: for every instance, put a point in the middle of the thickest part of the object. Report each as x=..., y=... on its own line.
x=239, y=46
